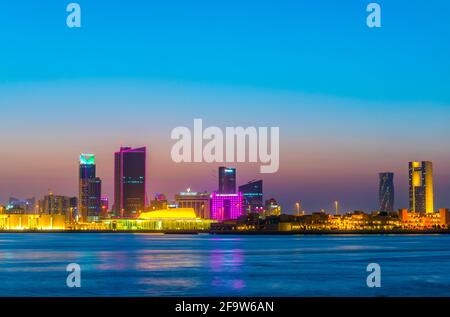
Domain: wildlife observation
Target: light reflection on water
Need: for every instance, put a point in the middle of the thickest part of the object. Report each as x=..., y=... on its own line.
x=203, y=265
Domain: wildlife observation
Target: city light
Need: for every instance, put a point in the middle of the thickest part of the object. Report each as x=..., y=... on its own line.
x=87, y=159
x=226, y=206
x=223, y=210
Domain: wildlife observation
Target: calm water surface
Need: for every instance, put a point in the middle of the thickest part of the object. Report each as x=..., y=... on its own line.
x=205, y=265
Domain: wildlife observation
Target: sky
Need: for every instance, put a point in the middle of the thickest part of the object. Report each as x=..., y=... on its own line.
x=350, y=101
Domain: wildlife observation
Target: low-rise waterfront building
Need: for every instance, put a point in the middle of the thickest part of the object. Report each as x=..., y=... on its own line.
x=159, y=202
x=272, y=208
x=161, y=220
x=424, y=220
x=199, y=201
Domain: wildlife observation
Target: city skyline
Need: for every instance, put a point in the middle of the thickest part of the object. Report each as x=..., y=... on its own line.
x=227, y=183
x=224, y=156
x=347, y=98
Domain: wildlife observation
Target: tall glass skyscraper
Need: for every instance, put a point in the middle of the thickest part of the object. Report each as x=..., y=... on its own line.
x=386, y=192
x=129, y=181
x=252, y=193
x=94, y=207
x=421, y=194
x=89, y=189
x=227, y=180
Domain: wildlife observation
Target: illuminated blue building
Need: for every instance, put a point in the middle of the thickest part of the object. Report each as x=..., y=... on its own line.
x=227, y=180
x=252, y=193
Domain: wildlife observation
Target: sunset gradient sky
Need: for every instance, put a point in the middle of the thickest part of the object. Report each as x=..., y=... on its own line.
x=350, y=101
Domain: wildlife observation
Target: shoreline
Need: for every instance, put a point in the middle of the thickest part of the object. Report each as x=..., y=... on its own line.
x=249, y=232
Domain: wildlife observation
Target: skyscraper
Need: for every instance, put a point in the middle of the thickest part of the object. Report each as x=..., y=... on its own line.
x=129, y=181
x=227, y=180
x=89, y=189
x=57, y=205
x=421, y=196
x=95, y=199
x=252, y=193
x=386, y=192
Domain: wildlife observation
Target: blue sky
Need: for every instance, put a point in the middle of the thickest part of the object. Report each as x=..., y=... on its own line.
x=320, y=47
x=334, y=86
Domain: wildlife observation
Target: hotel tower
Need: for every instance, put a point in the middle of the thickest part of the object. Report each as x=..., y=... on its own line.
x=90, y=190
x=421, y=197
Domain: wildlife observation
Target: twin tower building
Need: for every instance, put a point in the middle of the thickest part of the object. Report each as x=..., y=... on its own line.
x=421, y=194
x=129, y=185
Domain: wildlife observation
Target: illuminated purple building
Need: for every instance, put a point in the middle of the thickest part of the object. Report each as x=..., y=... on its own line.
x=226, y=206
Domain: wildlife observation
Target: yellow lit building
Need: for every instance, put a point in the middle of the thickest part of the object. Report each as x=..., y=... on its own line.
x=423, y=221
x=421, y=196
x=31, y=222
x=161, y=220
x=361, y=221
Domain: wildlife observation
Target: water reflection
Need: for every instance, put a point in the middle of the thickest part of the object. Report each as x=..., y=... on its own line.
x=226, y=260
x=149, y=265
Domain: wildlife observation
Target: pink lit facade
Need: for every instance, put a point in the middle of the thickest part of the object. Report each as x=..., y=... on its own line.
x=226, y=206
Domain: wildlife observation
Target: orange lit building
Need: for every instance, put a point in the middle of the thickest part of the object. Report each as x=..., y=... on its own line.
x=424, y=220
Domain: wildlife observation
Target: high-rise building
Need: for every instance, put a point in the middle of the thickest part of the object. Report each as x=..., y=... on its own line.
x=386, y=192
x=57, y=205
x=252, y=193
x=86, y=173
x=200, y=202
x=421, y=195
x=90, y=187
x=94, y=206
x=129, y=181
x=227, y=180
x=226, y=206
